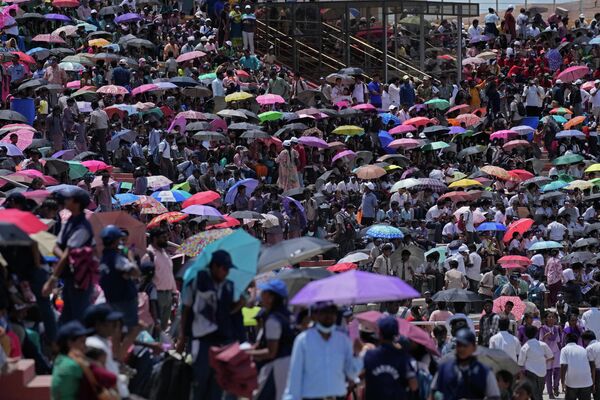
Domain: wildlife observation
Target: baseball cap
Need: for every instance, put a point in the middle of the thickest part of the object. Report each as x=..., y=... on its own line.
x=223, y=258
x=228, y=42
x=323, y=305
x=392, y=107
x=465, y=336
x=247, y=7
x=111, y=233
x=388, y=327
x=71, y=330
x=100, y=313
x=276, y=286
x=287, y=143
x=463, y=248
x=93, y=12
x=370, y=185
x=294, y=139
x=191, y=38
x=123, y=61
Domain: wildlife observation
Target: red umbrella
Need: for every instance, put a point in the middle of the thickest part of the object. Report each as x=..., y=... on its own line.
x=521, y=174
x=512, y=266
x=202, y=198
x=417, y=121
x=66, y=3
x=229, y=223
x=518, y=309
x=457, y=108
x=23, y=220
x=24, y=57
x=96, y=165
x=521, y=260
x=573, y=73
x=171, y=217
x=468, y=119
x=521, y=226
x=48, y=38
x=342, y=267
x=190, y=56
x=28, y=175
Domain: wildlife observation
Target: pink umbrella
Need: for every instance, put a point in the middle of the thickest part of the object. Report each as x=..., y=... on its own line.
x=346, y=153
x=37, y=195
x=25, y=138
x=342, y=104
x=573, y=73
x=191, y=115
x=143, y=89
x=588, y=86
x=313, y=142
x=457, y=108
x=190, y=56
x=48, y=38
x=95, y=166
x=112, y=89
x=365, y=107
x=218, y=125
x=74, y=84
x=400, y=129
x=503, y=134
x=405, y=143
x=269, y=99
x=15, y=127
x=32, y=173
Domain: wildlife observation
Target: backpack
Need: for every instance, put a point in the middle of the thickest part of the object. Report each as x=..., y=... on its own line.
x=521, y=108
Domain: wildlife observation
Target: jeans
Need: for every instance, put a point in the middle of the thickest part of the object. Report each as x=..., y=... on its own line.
x=578, y=393
x=248, y=39
x=76, y=301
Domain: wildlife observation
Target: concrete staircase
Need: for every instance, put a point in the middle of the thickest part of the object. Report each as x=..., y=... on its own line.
x=21, y=382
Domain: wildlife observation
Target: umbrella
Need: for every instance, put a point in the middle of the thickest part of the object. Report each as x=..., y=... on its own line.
x=172, y=217
x=126, y=198
x=313, y=141
x=405, y=143
x=238, y=96
x=9, y=115
x=48, y=38
x=491, y=226
x=574, y=122
x=242, y=248
x=573, y=73
x=112, y=89
x=555, y=185
x=384, y=232
x=291, y=252
x=355, y=257
x=435, y=146
x=463, y=183
x=584, y=242
x=351, y=71
x=497, y=172
x=568, y=159
x=269, y=99
x=439, y=104
x=355, y=287
x=401, y=129
x=503, y=134
x=342, y=267
x=194, y=245
x=417, y=121
x=139, y=43
x=456, y=296
x=520, y=260
x=296, y=278
x=437, y=129
x=136, y=239
x=247, y=214
x=171, y=196
x=202, y=198
x=192, y=55
x=368, y=172
x=25, y=221
x=96, y=165
x=578, y=257
x=518, y=309
x=469, y=151
x=346, y=153
x=348, y=130
x=571, y=133
x=468, y=119
x=255, y=134
x=521, y=226
x=250, y=185
x=270, y=116
x=158, y=181
x=545, y=245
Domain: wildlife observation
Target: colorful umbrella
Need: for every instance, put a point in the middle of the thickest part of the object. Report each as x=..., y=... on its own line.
x=439, y=104
x=405, y=143
x=158, y=181
x=521, y=226
x=136, y=229
x=112, y=89
x=570, y=133
x=25, y=221
x=435, y=146
x=194, y=245
x=552, y=186
x=269, y=99
x=384, y=232
x=171, y=196
x=96, y=165
x=463, y=183
x=468, y=119
x=574, y=122
x=545, y=245
x=593, y=168
x=202, y=198
x=503, y=134
x=151, y=206
x=497, y=172
x=518, y=309
x=345, y=153
x=561, y=111
x=521, y=174
x=567, y=159
x=192, y=55
x=348, y=130
x=270, y=116
x=515, y=144
x=126, y=198
x=491, y=226
x=172, y=217
x=143, y=88
x=417, y=121
x=48, y=38
x=313, y=141
x=342, y=267
x=127, y=18
x=204, y=211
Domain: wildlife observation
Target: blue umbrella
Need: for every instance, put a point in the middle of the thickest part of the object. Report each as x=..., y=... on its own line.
x=549, y=244
x=386, y=118
x=250, y=185
x=455, y=130
x=126, y=198
x=552, y=186
x=385, y=232
x=385, y=139
x=171, y=196
x=243, y=250
x=571, y=133
x=491, y=226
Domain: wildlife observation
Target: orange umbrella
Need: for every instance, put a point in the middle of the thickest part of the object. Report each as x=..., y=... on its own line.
x=171, y=217
x=136, y=230
x=498, y=172
x=417, y=121
x=342, y=267
x=521, y=226
x=370, y=172
x=574, y=122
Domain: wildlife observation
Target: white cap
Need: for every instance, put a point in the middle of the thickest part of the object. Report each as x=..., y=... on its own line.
x=247, y=7
x=370, y=185
x=123, y=61
x=93, y=11
x=578, y=82
x=405, y=78
x=511, y=6
x=191, y=38
x=558, y=81
x=517, y=43
x=294, y=140
x=422, y=135
x=463, y=248
x=287, y=143
x=582, y=16
x=409, y=135
x=597, y=81
x=203, y=39
x=392, y=107
x=228, y=43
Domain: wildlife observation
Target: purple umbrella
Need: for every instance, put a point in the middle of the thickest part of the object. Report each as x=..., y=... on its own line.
x=288, y=208
x=345, y=153
x=409, y=172
x=129, y=17
x=64, y=154
x=57, y=17
x=455, y=130
x=206, y=211
x=355, y=287
x=313, y=142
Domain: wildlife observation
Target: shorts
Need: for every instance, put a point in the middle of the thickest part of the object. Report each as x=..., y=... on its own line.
x=130, y=311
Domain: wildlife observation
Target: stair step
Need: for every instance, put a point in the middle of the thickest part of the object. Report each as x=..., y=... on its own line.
x=39, y=388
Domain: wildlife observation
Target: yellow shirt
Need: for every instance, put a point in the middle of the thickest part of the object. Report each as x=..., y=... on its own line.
x=42, y=109
x=249, y=315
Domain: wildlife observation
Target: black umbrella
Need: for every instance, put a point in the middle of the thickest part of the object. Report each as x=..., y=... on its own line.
x=296, y=278
x=249, y=114
x=397, y=158
x=9, y=115
x=296, y=126
x=38, y=143
x=197, y=126
x=55, y=166
x=469, y=151
x=32, y=84
x=139, y=43
x=552, y=195
x=330, y=112
x=592, y=227
x=456, y=296
x=291, y=252
x=106, y=56
x=436, y=129
x=349, y=113
x=227, y=113
x=30, y=17
x=197, y=91
x=208, y=135
x=309, y=97
x=86, y=154
x=126, y=38
x=495, y=359
x=578, y=257
x=110, y=10
x=246, y=215
x=98, y=34
x=538, y=180
x=183, y=81
x=243, y=126
x=11, y=235
x=255, y=134
x=585, y=242
x=294, y=192
x=62, y=52
x=52, y=87
x=592, y=197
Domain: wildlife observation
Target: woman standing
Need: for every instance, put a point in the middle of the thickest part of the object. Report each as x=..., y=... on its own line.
x=551, y=334
x=288, y=173
x=526, y=321
x=274, y=342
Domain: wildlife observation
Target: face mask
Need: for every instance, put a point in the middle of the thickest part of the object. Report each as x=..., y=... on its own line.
x=324, y=329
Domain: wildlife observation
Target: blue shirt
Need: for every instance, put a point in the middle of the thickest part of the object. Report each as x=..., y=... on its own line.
x=407, y=94
x=16, y=71
x=375, y=99
x=387, y=371
x=319, y=367
x=369, y=205
x=250, y=62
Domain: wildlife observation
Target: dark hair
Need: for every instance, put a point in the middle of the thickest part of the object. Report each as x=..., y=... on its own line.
x=440, y=330
x=442, y=305
x=503, y=324
x=571, y=338
x=94, y=353
x=506, y=376
x=156, y=232
x=531, y=331
x=588, y=336
x=594, y=301
x=525, y=386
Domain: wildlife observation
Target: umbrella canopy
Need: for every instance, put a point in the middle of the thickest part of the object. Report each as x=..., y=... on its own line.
x=568, y=159
x=355, y=287
x=296, y=278
x=491, y=226
x=250, y=184
x=242, y=248
x=573, y=73
x=521, y=260
x=291, y=252
x=25, y=221
x=521, y=226
x=342, y=267
x=456, y=296
x=369, y=172
x=545, y=245
x=270, y=99
x=194, y=245
x=171, y=196
x=172, y=217
x=202, y=198
x=136, y=240
x=385, y=232
x=348, y=130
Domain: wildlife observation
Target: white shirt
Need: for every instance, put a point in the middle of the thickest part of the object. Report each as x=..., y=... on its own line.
x=538, y=260
x=164, y=148
x=217, y=87
x=533, y=356
x=591, y=321
x=534, y=96
x=394, y=93
x=474, y=271
x=593, y=352
x=506, y=342
x=579, y=374
x=556, y=231
x=474, y=32
x=595, y=97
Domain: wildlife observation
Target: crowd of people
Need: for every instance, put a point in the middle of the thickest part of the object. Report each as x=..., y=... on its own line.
x=139, y=143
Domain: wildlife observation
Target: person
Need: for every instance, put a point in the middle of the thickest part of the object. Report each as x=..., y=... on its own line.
x=591, y=317
x=533, y=358
x=322, y=344
x=98, y=127
x=388, y=372
x=288, y=164
x=248, y=28
x=274, y=341
x=453, y=278
x=551, y=334
x=504, y=340
x=464, y=377
x=375, y=91
x=74, y=247
x=593, y=351
x=488, y=323
x=368, y=205
x=67, y=374
x=208, y=309
x=575, y=370
x=164, y=280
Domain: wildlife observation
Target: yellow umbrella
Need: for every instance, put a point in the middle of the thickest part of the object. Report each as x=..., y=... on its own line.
x=498, y=172
x=392, y=167
x=46, y=242
x=593, y=168
x=98, y=42
x=238, y=96
x=579, y=184
x=464, y=183
x=349, y=130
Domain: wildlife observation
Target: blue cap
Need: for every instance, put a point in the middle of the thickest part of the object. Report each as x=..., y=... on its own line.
x=276, y=286
x=110, y=233
x=465, y=336
x=71, y=330
x=222, y=257
x=388, y=327
x=101, y=313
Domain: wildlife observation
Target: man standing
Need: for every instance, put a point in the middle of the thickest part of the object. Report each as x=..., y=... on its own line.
x=375, y=91
x=488, y=323
x=383, y=262
x=248, y=28
x=98, y=126
x=504, y=340
x=533, y=357
x=368, y=205
x=591, y=318
x=163, y=280
x=54, y=74
x=575, y=370
x=388, y=373
x=164, y=151
x=454, y=279
x=328, y=347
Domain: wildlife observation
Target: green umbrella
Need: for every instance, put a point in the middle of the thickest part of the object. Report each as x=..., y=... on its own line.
x=154, y=110
x=559, y=118
x=76, y=170
x=552, y=186
x=545, y=245
x=441, y=250
x=567, y=159
x=435, y=146
x=211, y=76
x=270, y=116
x=439, y=104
